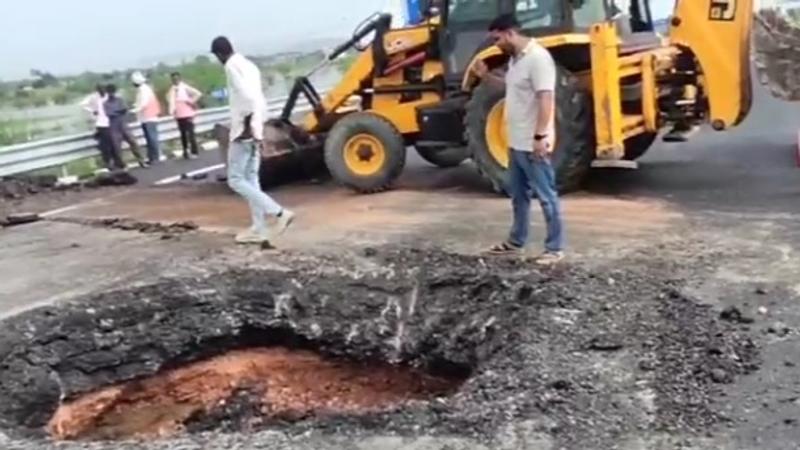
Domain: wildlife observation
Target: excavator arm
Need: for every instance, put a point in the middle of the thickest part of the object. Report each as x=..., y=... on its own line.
x=377, y=75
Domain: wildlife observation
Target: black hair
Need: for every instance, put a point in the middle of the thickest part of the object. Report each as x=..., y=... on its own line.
x=175, y=74
x=221, y=46
x=505, y=22
x=111, y=88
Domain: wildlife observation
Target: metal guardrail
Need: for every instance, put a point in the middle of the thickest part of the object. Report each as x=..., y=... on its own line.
x=56, y=152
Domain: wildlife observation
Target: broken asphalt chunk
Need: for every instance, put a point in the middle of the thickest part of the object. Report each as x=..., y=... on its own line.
x=21, y=219
x=733, y=314
x=605, y=344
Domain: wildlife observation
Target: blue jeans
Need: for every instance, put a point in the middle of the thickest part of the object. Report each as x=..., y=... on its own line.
x=150, y=130
x=529, y=174
x=244, y=161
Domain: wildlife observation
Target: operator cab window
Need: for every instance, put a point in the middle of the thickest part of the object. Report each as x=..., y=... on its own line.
x=534, y=14
x=585, y=13
x=479, y=12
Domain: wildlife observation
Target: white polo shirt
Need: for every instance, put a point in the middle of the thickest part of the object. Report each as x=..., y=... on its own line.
x=528, y=73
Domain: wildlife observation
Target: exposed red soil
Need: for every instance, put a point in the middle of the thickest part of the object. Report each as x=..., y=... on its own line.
x=290, y=384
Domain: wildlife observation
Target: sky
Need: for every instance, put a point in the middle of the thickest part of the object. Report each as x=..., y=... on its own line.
x=70, y=36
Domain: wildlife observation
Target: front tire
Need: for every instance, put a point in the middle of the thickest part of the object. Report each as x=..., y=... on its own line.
x=365, y=152
x=575, y=139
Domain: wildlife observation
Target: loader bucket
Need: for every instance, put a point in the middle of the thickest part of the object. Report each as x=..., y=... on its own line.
x=283, y=160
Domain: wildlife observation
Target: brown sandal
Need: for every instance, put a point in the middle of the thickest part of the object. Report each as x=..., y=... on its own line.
x=505, y=248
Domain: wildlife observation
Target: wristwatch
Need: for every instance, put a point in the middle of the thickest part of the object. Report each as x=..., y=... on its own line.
x=539, y=137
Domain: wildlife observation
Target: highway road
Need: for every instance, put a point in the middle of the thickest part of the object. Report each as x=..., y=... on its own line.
x=718, y=216
x=734, y=170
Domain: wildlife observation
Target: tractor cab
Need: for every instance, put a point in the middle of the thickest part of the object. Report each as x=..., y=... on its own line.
x=465, y=22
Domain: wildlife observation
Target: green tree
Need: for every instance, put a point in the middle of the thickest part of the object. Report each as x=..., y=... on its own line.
x=43, y=79
x=61, y=98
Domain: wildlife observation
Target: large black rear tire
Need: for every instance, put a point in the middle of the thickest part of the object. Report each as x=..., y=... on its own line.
x=365, y=152
x=575, y=137
x=444, y=156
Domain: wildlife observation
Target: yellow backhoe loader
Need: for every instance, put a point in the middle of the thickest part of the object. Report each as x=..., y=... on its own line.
x=619, y=83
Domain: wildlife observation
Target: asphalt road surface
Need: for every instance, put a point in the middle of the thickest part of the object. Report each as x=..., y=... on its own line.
x=719, y=214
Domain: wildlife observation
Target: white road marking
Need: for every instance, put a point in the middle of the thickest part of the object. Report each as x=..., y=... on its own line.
x=55, y=212
x=173, y=179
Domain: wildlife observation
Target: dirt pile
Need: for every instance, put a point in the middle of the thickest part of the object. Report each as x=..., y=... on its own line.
x=599, y=354
x=776, y=39
x=15, y=188
x=167, y=230
x=40, y=193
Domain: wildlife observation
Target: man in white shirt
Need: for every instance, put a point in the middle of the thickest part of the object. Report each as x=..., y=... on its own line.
x=93, y=104
x=530, y=85
x=147, y=109
x=248, y=110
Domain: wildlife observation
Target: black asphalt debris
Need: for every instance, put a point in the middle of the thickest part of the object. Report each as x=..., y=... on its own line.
x=733, y=314
x=606, y=343
x=115, y=178
x=167, y=230
x=17, y=187
x=519, y=336
x=21, y=219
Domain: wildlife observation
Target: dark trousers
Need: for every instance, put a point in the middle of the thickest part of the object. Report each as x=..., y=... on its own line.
x=125, y=134
x=110, y=155
x=188, y=138
x=150, y=130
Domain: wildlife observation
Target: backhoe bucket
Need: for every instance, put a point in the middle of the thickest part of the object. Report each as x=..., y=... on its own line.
x=288, y=154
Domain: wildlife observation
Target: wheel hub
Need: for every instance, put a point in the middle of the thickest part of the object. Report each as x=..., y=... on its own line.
x=364, y=154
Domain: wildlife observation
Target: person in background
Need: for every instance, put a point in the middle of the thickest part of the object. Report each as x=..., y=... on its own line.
x=117, y=111
x=182, y=100
x=94, y=105
x=530, y=110
x=134, y=146
x=248, y=113
x=147, y=109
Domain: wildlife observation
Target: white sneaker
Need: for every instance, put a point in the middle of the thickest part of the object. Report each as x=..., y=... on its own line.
x=252, y=236
x=283, y=221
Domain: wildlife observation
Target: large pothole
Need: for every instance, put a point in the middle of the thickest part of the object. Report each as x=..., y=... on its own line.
x=243, y=390
x=399, y=341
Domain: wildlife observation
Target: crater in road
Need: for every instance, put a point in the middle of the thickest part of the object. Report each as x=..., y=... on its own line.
x=407, y=340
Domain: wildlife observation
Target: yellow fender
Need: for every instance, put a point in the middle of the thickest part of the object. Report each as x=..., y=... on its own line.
x=492, y=56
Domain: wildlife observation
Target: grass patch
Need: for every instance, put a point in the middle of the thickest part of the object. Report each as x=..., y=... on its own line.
x=13, y=131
